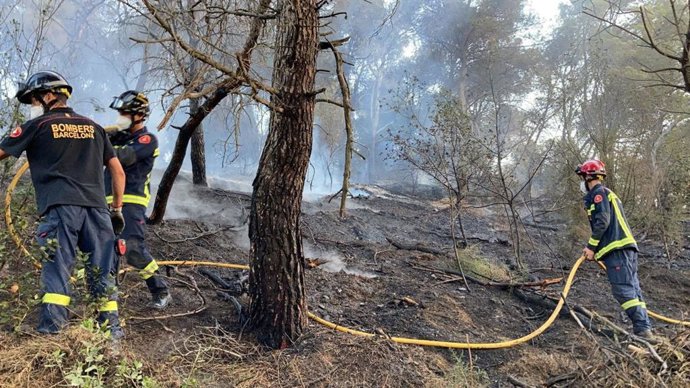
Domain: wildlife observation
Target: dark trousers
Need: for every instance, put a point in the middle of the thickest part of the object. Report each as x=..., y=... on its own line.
x=138, y=255
x=621, y=268
x=63, y=230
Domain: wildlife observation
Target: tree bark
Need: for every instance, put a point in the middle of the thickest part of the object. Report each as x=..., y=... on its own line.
x=278, y=308
x=198, y=149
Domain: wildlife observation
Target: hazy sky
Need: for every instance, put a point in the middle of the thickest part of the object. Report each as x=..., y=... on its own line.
x=546, y=10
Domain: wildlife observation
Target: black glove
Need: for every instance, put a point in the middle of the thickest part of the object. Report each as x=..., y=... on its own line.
x=117, y=219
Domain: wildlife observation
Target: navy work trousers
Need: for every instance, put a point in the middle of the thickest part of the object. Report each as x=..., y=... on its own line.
x=63, y=230
x=621, y=268
x=138, y=255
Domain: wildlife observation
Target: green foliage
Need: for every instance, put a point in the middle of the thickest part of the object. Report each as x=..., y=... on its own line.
x=93, y=366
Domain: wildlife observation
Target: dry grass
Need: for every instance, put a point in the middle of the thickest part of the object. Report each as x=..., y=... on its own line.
x=472, y=261
x=536, y=366
x=448, y=310
x=606, y=364
x=321, y=359
x=31, y=360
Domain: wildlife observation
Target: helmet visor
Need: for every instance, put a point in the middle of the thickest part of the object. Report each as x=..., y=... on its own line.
x=117, y=103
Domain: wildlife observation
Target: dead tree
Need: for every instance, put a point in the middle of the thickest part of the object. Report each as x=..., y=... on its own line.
x=198, y=153
x=232, y=79
x=681, y=31
x=278, y=310
x=349, y=131
x=346, y=104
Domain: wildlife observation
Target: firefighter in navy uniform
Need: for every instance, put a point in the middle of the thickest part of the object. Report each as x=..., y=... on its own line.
x=137, y=149
x=67, y=152
x=613, y=242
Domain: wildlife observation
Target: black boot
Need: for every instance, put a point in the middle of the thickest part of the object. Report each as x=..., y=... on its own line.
x=112, y=322
x=160, y=300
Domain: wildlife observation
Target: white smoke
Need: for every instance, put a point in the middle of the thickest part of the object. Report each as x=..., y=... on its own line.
x=334, y=262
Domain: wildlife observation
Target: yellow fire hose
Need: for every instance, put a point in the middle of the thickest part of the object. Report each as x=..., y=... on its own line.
x=8, y=214
x=401, y=340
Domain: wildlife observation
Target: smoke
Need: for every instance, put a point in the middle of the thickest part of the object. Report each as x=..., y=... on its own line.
x=334, y=262
x=203, y=204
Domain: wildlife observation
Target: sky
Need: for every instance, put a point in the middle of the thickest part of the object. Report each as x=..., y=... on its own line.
x=547, y=11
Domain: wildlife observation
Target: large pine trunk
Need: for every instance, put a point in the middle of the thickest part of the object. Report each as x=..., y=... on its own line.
x=278, y=309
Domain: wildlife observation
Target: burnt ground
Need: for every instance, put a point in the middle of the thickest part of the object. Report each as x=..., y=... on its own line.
x=368, y=284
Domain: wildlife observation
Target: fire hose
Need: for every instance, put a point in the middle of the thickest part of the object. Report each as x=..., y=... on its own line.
x=402, y=340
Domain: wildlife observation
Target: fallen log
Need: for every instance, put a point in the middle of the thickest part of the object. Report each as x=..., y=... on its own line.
x=415, y=247
x=541, y=226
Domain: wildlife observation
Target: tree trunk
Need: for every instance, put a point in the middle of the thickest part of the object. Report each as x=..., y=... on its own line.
x=198, y=149
x=278, y=308
x=349, y=132
x=375, y=112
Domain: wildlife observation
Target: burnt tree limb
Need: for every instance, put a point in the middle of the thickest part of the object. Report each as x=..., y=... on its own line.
x=414, y=247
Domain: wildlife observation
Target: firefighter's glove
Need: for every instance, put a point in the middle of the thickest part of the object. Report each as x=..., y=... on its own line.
x=117, y=219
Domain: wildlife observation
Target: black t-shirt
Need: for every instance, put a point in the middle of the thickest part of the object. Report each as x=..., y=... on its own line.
x=66, y=152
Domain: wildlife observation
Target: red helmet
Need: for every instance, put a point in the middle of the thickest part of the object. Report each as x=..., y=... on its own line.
x=591, y=168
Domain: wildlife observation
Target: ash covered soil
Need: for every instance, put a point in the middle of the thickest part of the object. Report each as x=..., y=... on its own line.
x=380, y=270
x=367, y=283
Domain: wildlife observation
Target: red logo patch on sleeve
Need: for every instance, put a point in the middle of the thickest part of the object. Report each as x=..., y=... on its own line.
x=16, y=132
x=598, y=198
x=146, y=139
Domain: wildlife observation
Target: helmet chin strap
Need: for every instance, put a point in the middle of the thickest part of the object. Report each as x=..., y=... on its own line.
x=46, y=105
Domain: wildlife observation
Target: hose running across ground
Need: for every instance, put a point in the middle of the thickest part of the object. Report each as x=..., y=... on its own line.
x=401, y=340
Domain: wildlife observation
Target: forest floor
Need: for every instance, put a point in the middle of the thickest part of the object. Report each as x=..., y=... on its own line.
x=365, y=282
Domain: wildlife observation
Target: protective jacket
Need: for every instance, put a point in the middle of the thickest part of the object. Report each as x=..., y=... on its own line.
x=610, y=229
x=137, y=153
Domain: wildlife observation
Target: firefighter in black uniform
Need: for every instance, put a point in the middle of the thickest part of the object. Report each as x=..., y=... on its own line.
x=67, y=152
x=137, y=149
x=613, y=242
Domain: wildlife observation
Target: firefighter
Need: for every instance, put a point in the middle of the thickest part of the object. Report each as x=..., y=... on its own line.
x=613, y=242
x=67, y=153
x=137, y=148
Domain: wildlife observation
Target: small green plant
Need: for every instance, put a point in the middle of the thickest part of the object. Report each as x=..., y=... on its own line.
x=190, y=382
x=92, y=366
x=464, y=375
x=90, y=370
x=130, y=374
